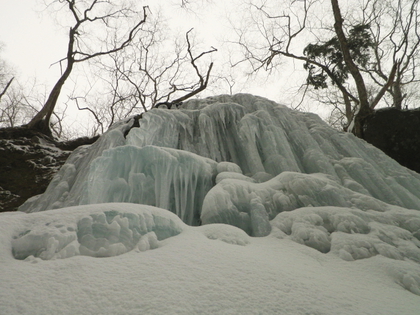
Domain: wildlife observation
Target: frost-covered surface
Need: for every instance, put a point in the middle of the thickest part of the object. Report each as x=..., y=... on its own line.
x=352, y=233
x=232, y=201
x=319, y=222
x=211, y=269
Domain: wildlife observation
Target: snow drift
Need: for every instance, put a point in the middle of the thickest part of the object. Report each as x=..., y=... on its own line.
x=210, y=269
x=114, y=230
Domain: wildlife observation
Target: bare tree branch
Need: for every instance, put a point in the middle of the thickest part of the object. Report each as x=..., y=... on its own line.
x=6, y=87
x=42, y=119
x=202, y=80
x=99, y=122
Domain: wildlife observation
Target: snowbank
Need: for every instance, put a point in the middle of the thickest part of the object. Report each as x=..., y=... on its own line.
x=212, y=269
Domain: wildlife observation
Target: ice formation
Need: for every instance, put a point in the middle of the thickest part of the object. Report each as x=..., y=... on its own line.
x=295, y=218
x=116, y=229
x=254, y=164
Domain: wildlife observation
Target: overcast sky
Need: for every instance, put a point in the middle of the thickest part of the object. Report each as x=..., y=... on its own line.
x=34, y=41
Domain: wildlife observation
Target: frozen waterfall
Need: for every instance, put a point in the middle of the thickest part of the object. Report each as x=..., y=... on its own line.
x=241, y=160
x=294, y=217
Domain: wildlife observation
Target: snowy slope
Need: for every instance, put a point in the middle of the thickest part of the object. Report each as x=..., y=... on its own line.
x=211, y=269
x=296, y=218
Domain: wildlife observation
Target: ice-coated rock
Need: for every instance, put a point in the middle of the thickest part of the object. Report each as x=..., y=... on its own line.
x=354, y=234
x=231, y=200
x=225, y=233
x=233, y=175
x=83, y=230
x=228, y=167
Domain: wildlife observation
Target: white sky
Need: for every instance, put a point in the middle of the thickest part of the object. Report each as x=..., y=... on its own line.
x=33, y=42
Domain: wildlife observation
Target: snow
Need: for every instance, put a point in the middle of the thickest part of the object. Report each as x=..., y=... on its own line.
x=211, y=269
x=270, y=212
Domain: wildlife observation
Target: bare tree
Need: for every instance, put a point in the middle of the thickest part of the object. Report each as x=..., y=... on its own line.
x=395, y=32
x=6, y=87
x=155, y=69
x=18, y=102
x=393, y=56
x=6, y=76
x=192, y=89
x=87, y=15
x=364, y=106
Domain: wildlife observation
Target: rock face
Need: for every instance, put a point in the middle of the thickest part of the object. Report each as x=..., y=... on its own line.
x=397, y=133
x=28, y=162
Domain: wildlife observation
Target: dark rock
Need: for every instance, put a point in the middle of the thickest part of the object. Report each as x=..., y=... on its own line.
x=71, y=145
x=28, y=162
x=397, y=133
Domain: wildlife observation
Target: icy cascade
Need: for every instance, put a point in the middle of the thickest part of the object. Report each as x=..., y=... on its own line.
x=166, y=178
x=173, y=158
x=70, y=182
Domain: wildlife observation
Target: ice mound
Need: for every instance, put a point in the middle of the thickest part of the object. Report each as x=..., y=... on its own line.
x=250, y=206
x=240, y=160
x=97, y=231
x=354, y=234
x=225, y=233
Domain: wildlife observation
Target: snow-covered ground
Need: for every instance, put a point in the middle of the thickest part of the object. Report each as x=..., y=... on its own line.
x=270, y=212
x=212, y=269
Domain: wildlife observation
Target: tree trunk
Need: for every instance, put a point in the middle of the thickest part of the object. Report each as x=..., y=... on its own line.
x=349, y=112
x=41, y=121
x=364, y=108
x=397, y=95
x=6, y=87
